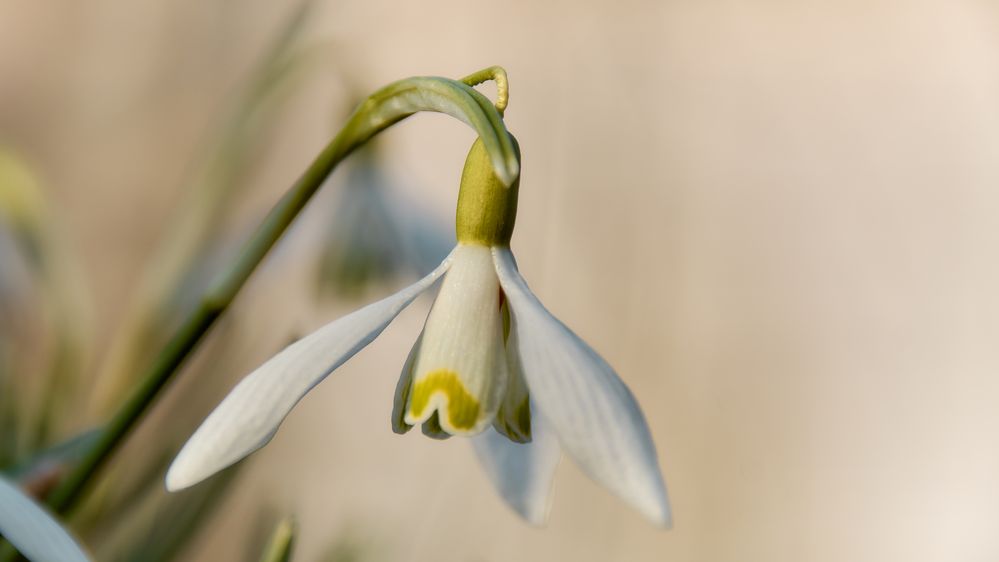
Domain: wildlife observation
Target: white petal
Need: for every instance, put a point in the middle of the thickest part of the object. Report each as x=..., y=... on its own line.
x=32, y=530
x=596, y=418
x=460, y=367
x=402, y=388
x=248, y=417
x=522, y=472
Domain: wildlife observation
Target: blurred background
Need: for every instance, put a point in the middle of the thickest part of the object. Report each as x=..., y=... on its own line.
x=777, y=220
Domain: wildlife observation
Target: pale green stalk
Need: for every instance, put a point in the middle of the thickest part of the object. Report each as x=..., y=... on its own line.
x=279, y=546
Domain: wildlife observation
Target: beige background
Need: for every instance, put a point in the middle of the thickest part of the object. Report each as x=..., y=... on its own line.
x=776, y=219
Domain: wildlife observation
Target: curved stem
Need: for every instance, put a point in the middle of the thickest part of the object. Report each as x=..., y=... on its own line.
x=496, y=74
x=380, y=111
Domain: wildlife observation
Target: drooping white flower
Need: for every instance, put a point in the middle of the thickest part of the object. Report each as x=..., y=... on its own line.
x=492, y=363
x=32, y=530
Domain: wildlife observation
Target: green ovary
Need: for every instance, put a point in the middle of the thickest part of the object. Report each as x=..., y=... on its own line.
x=462, y=408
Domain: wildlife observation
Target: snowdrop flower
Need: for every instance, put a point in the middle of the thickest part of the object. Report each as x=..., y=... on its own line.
x=32, y=530
x=491, y=363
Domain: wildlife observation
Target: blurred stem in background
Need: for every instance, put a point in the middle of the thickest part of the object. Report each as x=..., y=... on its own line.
x=169, y=289
x=160, y=528
x=281, y=542
x=43, y=339
x=125, y=518
x=33, y=406
x=129, y=516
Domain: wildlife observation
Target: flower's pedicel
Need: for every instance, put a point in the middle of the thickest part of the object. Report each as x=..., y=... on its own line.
x=490, y=355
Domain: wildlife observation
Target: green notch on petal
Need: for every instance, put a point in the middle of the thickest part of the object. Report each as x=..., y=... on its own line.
x=432, y=428
x=515, y=425
x=462, y=408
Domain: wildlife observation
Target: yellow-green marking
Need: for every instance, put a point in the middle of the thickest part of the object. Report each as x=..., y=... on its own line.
x=462, y=408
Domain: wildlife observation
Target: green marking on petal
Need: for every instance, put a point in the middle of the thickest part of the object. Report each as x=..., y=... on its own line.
x=432, y=428
x=462, y=408
x=515, y=425
x=523, y=417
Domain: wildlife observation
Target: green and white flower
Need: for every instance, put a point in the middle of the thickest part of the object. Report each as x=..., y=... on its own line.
x=492, y=363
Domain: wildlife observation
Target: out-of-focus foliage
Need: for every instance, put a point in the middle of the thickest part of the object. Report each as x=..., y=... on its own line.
x=43, y=322
x=196, y=246
x=376, y=235
x=281, y=543
x=42, y=336
x=188, y=259
x=43, y=317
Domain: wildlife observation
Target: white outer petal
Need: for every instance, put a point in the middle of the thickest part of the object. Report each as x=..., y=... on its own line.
x=522, y=472
x=250, y=415
x=32, y=530
x=596, y=418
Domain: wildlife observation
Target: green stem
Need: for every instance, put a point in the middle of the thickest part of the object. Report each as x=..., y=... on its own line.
x=281, y=542
x=496, y=74
x=380, y=111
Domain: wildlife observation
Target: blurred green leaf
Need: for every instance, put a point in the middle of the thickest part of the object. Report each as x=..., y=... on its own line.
x=28, y=235
x=279, y=546
x=376, y=235
x=186, y=262
x=168, y=522
x=63, y=454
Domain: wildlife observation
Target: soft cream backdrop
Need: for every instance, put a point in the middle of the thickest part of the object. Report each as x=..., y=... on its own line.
x=778, y=220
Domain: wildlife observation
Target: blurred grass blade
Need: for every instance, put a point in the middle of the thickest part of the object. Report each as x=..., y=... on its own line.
x=33, y=531
x=66, y=453
x=162, y=525
x=8, y=411
x=282, y=540
x=57, y=281
x=172, y=281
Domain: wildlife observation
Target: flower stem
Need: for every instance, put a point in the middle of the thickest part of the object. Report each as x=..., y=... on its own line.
x=496, y=74
x=279, y=546
x=380, y=111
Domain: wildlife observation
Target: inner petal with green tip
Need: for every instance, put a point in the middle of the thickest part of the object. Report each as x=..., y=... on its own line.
x=459, y=369
x=443, y=391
